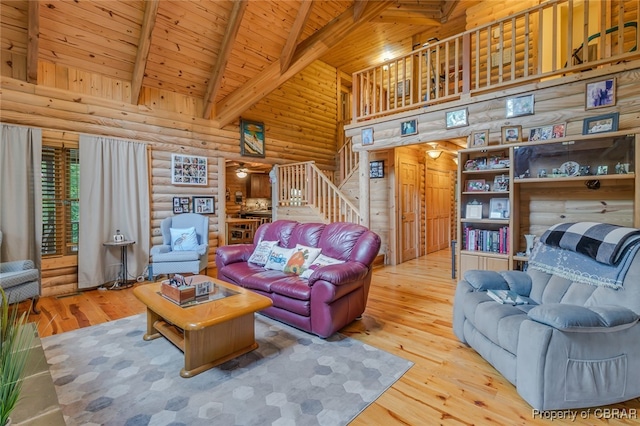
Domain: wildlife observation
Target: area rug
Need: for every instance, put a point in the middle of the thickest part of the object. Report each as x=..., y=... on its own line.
x=108, y=375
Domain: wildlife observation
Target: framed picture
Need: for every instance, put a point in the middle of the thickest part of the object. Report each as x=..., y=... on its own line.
x=367, y=136
x=475, y=185
x=376, y=169
x=409, y=128
x=540, y=133
x=479, y=139
x=501, y=183
x=473, y=210
x=457, y=118
x=188, y=170
x=558, y=130
x=511, y=134
x=403, y=87
x=600, y=124
x=519, y=105
x=204, y=205
x=600, y=94
x=251, y=138
x=181, y=205
x=499, y=208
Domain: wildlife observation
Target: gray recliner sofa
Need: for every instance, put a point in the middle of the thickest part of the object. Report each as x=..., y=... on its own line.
x=574, y=345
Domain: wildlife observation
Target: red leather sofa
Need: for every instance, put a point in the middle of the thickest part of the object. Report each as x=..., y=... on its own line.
x=332, y=297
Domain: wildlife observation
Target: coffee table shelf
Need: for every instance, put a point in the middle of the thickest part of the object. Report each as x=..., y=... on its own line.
x=208, y=334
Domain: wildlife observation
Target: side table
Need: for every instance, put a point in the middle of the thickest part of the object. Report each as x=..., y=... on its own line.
x=122, y=281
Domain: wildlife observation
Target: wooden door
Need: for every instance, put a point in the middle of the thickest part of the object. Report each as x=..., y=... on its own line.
x=438, y=209
x=408, y=216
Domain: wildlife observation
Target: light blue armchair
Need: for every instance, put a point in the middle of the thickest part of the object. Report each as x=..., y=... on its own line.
x=20, y=280
x=185, y=245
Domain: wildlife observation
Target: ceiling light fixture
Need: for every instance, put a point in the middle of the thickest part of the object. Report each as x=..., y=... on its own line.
x=241, y=173
x=434, y=152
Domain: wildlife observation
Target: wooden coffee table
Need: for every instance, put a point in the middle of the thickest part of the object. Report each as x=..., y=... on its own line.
x=208, y=333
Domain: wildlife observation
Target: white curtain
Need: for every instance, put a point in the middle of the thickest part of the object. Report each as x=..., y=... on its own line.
x=114, y=195
x=20, y=193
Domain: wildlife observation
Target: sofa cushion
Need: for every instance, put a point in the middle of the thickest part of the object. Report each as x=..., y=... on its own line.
x=15, y=278
x=485, y=280
x=575, y=318
x=318, y=263
x=301, y=259
x=184, y=239
x=261, y=253
x=278, y=258
x=292, y=286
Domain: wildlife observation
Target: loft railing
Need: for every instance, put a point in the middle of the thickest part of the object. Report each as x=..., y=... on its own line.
x=304, y=184
x=545, y=41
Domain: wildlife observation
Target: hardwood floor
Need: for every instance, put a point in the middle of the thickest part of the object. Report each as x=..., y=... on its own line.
x=409, y=314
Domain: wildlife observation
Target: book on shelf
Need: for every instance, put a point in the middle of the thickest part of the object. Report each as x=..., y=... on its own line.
x=492, y=241
x=508, y=297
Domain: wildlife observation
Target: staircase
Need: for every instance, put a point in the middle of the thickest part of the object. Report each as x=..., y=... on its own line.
x=305, y=193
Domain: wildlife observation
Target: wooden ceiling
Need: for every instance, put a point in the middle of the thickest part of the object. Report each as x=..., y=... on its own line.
x=230, y=54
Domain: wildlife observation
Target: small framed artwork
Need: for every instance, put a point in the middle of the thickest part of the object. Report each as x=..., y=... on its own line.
x=409, y=128
x=367, y=136
x=540, y=133
x=602, y=170
x=188, y=170
x=181, y=205
x=599, y=94
x=251, y=138
x=473, y=210
x=499, y=208
x=204, y=205
x=376, y=169
x=501, y=183
x=558, y=130
x=519, y=105
x=479, y=139
x=402, y=87
x=600, y=124
x=475, y=185
x=511, y=134
x=457, y=118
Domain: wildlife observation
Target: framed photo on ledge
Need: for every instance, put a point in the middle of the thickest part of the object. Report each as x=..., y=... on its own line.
x=204, y=205
x=499, y=208
x=479, y=139
x=600, y=124
x=511, y=134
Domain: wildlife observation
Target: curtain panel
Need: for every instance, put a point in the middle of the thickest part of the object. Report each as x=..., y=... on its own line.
x=114, y=195
x=20, y=193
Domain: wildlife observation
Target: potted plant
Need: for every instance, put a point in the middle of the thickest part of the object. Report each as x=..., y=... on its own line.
x=15, y=340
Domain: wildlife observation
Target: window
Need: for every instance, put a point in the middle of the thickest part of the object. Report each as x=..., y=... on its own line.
x=60, y=192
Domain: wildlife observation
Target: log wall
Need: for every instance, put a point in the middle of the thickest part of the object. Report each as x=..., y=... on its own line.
x=300, y=122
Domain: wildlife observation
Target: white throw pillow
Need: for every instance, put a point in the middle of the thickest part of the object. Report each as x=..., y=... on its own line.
x=184, y=239
x=301, y=259
x=261, y=253
x=320, y=261
x=278, y=258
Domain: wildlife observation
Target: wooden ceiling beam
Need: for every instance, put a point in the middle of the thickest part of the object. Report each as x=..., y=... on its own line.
x=231, y=107
x=296, y=29
x=144, y=45
x=33, y=44
x=235, y=19
x=447, y=9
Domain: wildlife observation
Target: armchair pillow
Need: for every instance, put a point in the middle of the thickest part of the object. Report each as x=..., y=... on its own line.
x=260, y=255
x=301, y=258
x=278, y=258
x=184, y=239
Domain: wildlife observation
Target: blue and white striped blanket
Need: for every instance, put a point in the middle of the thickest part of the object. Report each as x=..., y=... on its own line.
x=587, y=252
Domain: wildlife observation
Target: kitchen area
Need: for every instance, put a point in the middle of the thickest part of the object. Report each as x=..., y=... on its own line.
x=248, y=200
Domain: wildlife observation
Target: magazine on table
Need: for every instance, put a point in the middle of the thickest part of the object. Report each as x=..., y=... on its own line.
x=508, y=297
